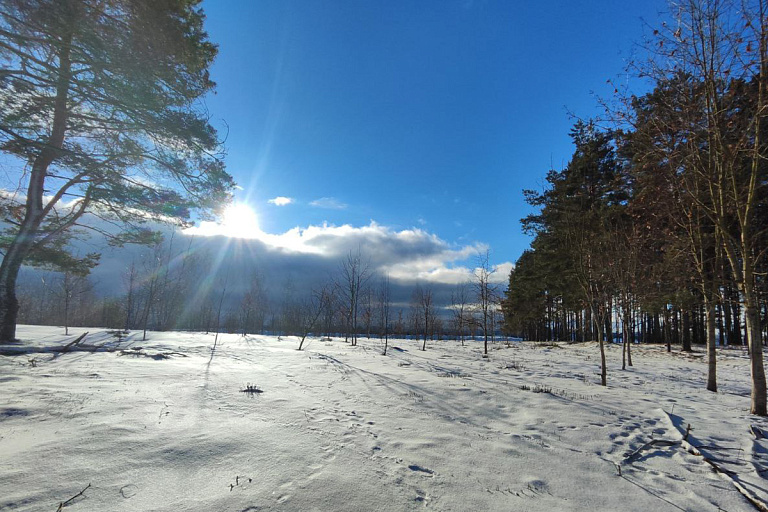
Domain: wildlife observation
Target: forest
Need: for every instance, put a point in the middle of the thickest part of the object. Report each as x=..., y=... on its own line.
x=655, y=231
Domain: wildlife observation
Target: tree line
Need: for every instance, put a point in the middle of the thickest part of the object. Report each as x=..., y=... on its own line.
x=171, y=286
x=656, y=228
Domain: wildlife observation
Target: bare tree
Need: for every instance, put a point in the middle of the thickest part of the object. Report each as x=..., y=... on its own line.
x=174, y=282
x=130, y=278
x=400, y=324
x=218, y=311
x=485, y=295
x=331, y=309
x=261, y=301
x=164, y=298
x=289, y=308
x=205, y=315
x=425, y=311
x=385, y=307
x=152, y=267
x=70, y=288
x=312, y=309
x=460, y=310
x=354, y=274
x=415, y=320
x=368, y=312
x=247, y=309
x=252, y=306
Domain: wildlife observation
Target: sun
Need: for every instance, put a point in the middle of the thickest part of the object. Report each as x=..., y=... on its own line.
x=239, y=220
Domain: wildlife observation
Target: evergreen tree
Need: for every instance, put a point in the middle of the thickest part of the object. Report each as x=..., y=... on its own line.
x=525, y=299
x=99, y=102
x=572, y=227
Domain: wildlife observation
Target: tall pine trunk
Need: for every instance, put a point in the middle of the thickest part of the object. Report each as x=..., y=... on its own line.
x=600, y=338
x=711, y=345
x=9, y=304
x=34, y=212
x=627, y=326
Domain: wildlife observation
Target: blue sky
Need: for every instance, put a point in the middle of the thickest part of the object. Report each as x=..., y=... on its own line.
x=416, y=114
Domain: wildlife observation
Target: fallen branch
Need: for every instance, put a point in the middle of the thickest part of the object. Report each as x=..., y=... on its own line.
x=139, y=352
x=656, y=442
x=20, y=351
x=15, y=351
x=726, y=473
x=73, y=498
x=68, y=346
x=749, y=495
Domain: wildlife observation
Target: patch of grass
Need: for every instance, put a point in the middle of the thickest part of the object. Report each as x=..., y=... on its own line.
x=415, y=396
x=454, y=373
x=563, y=393
x=513, y=365
x=537, y=388
x=252, y=389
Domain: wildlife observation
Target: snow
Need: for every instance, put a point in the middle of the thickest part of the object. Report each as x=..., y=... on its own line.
x=164, y=426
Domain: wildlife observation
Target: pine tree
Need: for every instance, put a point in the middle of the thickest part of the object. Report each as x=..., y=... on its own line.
x=99, y=104
x=572, y=228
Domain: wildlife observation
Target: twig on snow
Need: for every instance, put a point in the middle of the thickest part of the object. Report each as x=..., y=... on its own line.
x=73, y=498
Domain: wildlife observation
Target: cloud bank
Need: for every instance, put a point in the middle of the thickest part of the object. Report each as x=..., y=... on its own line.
x=305, y=257
x=408, y=256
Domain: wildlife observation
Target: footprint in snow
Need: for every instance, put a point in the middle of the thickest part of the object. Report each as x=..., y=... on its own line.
x=414, y=467
x=128, y=491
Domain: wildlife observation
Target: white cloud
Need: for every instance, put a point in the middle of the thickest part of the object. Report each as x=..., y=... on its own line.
x=280, y=200
x=330, y=203
x=310, y=256
x=408, y=255
x=503, y=270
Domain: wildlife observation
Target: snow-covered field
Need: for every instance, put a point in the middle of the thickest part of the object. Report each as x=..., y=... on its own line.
x=166, y=427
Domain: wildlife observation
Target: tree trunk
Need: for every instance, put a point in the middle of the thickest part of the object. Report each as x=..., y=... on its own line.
x=587, y=324
x=579, y=332
x=34, y=212
x=624, y=350
x=626, y=324
x=736, y=327
x=600, y=337
x=711, y=346
x=757, y=369
x=686, y=330
x=9, y=304
x=727, y=310
x=66, y=313
x=720, y=327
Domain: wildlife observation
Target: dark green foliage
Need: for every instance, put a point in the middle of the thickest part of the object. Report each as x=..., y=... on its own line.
x=100, y=104
x=567, y=269
x=135, y=144
x=525, y=301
